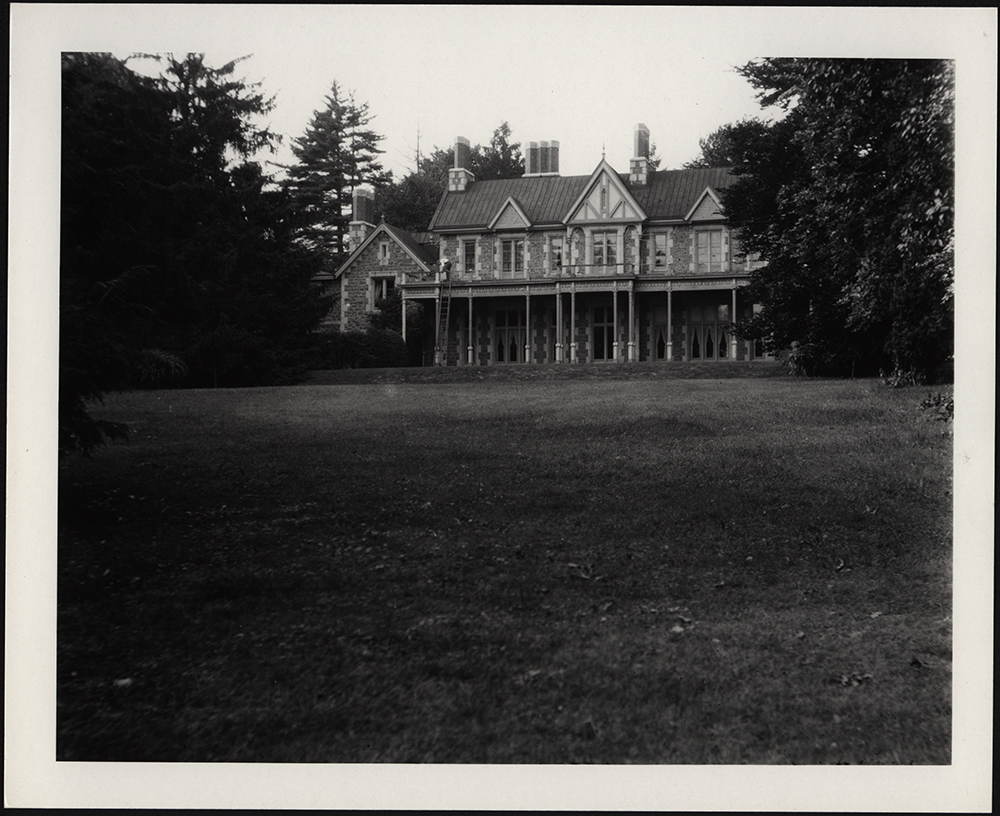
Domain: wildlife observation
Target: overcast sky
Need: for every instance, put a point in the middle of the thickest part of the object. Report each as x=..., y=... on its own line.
x=581, y=75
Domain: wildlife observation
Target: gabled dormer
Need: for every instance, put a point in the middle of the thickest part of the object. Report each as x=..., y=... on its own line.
x=510, y=216
x=708, y=207
x=605, y=198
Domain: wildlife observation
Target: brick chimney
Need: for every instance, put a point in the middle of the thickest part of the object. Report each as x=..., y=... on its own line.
x=531, y=160
x=362, y=218
x=639, y=169
x=542, y=159
x=460, y=176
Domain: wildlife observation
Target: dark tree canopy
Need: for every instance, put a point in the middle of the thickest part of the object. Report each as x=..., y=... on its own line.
x=337, y=153
x=850, y=201
x=177, y=263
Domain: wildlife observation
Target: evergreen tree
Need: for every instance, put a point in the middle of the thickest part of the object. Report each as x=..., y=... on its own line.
x=177, y=258
x=337, y=153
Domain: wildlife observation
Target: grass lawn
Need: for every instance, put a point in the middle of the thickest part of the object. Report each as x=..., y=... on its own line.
x=593, y=570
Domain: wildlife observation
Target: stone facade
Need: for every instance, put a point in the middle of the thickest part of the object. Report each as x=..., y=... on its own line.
x=628, y=246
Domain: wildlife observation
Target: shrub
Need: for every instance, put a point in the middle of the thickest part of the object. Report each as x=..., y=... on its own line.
x=375, y=348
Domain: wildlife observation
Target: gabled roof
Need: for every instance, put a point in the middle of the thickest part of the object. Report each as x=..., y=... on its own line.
x=622, y=183
x=509, y=214
x=423, y=255
x=543, y=199
x=715, y=208
x=671, y=194
x=668, y=195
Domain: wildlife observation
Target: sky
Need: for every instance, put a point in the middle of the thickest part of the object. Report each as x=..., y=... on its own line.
x=583, y=76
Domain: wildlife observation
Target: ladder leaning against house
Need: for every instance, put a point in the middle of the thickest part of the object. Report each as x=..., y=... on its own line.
x=443, y=316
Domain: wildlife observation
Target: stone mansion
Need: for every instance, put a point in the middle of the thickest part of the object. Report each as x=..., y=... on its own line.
x=626, y=267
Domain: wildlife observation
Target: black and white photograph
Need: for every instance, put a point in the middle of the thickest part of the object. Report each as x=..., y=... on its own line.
x=501, y=407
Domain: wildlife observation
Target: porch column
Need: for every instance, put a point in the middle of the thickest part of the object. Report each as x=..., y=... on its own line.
x=404, y=319
x=572, y=326
x=614, y=309
x=527, y=327
x=631, y=325
x=670, y=326
x=472, y=334
x=559, y=319
x=732, y=334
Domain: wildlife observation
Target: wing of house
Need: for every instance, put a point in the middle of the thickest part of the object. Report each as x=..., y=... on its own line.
x=636, y=266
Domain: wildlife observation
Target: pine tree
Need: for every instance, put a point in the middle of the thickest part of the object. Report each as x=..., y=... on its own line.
x=177, y=258
x=337, y=153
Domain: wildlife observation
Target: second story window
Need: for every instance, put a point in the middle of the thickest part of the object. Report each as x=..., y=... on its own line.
x=605, y=249
x=469, y=257
x=708, y=255
x=556, y=254
x=660, y=251
x=512, y=258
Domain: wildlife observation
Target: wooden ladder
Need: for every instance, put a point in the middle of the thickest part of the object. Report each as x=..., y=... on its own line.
x=444, y=315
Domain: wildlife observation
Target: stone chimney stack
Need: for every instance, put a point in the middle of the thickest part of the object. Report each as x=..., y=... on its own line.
x=460, y=176
x=363, y=216
x=639, y=167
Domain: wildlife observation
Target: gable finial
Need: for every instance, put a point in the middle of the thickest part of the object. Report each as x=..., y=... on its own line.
x=602, y=151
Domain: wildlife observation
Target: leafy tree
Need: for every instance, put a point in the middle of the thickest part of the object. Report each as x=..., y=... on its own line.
x=177, y=260
x=850, y=201
x=337, y=153
x=723, y=147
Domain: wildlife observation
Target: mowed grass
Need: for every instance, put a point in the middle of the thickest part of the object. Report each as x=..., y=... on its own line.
x=605, y=571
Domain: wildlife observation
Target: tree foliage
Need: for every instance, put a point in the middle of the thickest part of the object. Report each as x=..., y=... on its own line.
x=177, y=263
x=410, y=203
x=337, y=153
x=723, y=147
x=849, y=199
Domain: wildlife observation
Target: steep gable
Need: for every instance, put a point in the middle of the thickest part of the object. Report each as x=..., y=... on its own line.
x=399, y=238
x=605, y=198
